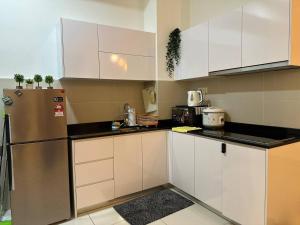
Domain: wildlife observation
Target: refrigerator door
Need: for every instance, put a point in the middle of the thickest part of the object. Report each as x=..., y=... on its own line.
x=40, y=177
x=36, y=115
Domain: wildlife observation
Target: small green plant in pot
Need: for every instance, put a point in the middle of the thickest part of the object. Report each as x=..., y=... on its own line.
x=49, y=80
x=38, y=79
x=29, y=83
x=19, y=78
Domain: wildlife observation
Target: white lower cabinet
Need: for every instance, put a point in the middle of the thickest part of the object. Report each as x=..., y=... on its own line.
x=128, y=164
x=208, y=172
x=154, y=148
x=244, y=184
x=183, y=166
x=230, y=178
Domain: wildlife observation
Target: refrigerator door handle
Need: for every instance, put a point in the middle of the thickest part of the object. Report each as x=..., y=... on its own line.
x=11, y=169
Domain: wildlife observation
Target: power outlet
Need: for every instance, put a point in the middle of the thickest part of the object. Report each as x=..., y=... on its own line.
x=204, y=90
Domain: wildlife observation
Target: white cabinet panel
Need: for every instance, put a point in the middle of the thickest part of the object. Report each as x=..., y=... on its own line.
x=154, y=147
x=126, y=67
x=80, y=49
x=93, y=172
x=124, y=41
x=265, y=32
x=225, y=41
x=208, y=172
x=194, y=53
x=94, y=194
x=93, y=149
x=244, y=185
x=183, y=157
x=128, y=164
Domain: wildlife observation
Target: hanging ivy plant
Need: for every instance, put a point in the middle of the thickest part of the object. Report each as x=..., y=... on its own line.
x=173, y=51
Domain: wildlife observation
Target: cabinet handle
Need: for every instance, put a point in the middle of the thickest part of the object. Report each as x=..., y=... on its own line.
x=223, y=148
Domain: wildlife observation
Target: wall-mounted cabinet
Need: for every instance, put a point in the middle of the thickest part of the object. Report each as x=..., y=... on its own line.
x=78, y=44
x=194, y=53
x=261, y=35
x=225, y=46
x=115, y=66
x=104, y=52
x=124, y=41
x=266, y=32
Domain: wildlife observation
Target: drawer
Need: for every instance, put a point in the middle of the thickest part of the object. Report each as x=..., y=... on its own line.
x=94, y=172
x=93, y=149
x=94, y=194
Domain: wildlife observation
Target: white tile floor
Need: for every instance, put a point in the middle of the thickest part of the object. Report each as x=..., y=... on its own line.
x=193, y=215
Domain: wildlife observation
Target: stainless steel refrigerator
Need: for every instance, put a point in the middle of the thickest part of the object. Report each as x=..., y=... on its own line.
x=38, y=156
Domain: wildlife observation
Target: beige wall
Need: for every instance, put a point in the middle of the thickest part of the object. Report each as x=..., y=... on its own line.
x=94, y=100
x=268, y=98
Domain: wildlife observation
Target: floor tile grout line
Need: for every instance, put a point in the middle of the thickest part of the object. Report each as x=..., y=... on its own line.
x=91, y=219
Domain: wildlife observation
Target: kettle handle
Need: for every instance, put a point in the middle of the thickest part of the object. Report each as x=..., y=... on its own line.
x=201, y=95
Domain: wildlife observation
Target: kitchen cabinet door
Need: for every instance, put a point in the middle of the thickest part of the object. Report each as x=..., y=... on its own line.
x=154, y=146
x=209, y=172
x=194, y=53
x=125, y=41
x=126, y=67
x=244, y=184
x=225, y=41
x=266, y=25
x=183, y=156
x=79, y=49
x=127, y=164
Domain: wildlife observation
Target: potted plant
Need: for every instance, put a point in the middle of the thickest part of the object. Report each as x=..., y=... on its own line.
x=38, y=79
x=19, y=78
x=173, y=51
x=29, y=83
x=49, y=80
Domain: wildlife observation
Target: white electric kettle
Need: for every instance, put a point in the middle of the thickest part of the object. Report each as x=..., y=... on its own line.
x=195, y=98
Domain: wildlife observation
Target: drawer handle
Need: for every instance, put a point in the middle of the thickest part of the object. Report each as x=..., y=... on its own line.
x=223, y=148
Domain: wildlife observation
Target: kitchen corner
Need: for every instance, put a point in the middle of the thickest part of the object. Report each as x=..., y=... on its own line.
x=153, y=112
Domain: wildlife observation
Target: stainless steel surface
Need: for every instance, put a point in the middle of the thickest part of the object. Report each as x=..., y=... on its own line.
x=257, y=68
x=12, y=170
x=41, y=194
x=32, y=115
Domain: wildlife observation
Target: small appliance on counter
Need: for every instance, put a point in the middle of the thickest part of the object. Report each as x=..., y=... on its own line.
x=213, y=118
x=187, y=116
x=195, y=98
x=129, y=116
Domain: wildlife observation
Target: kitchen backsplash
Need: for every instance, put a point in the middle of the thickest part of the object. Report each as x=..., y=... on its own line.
x=268, y=98
x=93, y=100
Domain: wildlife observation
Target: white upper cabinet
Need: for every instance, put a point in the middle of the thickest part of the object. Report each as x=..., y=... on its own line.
x=208, y=172
x=244, y=184
x=126, y=67
x=225, y=36
x=125, y=41
x=194, y=53
x=102, y=52
x=126, y=54
x=183, y=162
x=266, y=32
x=79, y=49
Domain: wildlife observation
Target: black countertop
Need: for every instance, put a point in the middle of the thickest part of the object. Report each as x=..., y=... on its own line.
x=254, y=135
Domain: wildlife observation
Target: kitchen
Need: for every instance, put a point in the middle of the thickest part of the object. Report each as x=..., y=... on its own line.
x=262, y=97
